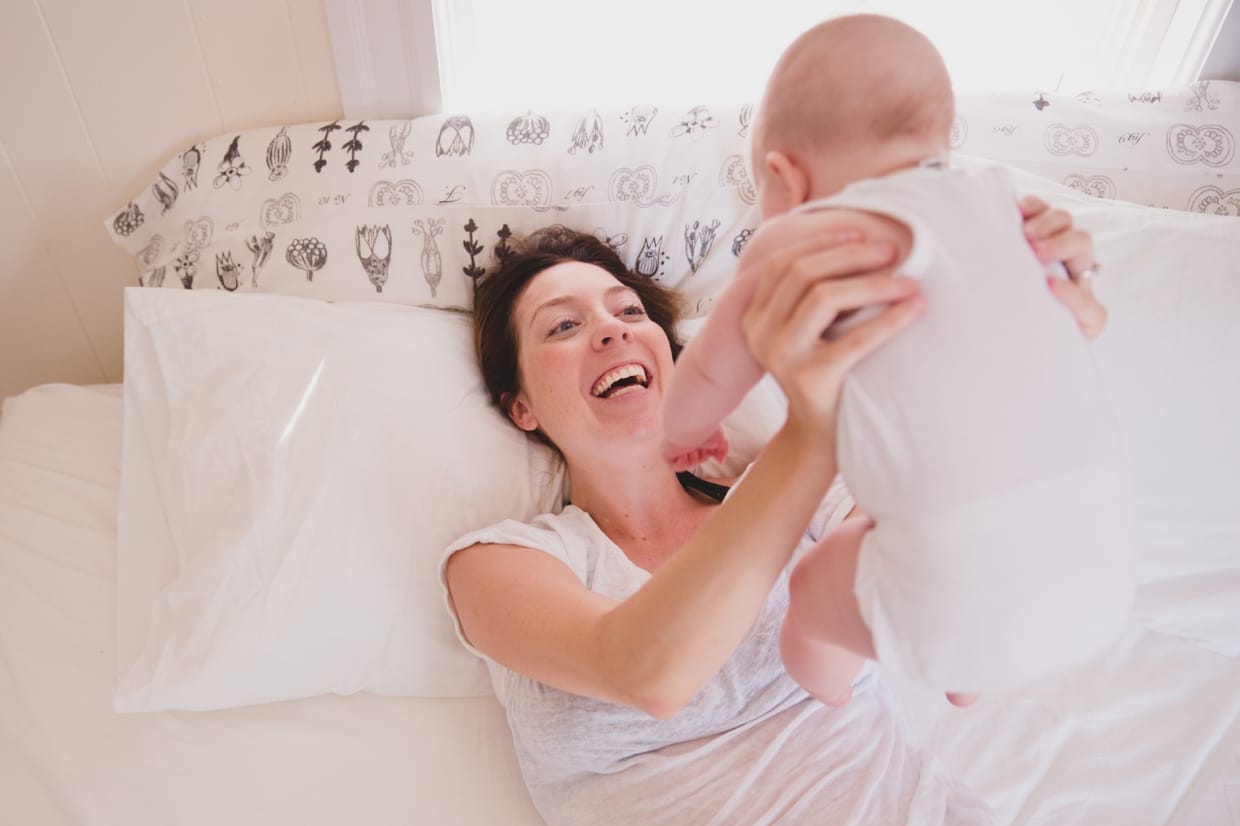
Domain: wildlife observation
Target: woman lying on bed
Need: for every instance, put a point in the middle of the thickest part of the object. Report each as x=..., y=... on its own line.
x=634, y=638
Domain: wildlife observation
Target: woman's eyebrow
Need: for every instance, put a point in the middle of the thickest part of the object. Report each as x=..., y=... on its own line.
x=546, y=305
x=572, y=299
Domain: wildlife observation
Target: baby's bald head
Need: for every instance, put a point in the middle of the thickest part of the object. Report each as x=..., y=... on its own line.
x=860, y=78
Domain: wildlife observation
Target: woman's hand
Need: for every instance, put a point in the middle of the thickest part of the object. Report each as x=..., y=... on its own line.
x=1053, y=238
x=811, y=268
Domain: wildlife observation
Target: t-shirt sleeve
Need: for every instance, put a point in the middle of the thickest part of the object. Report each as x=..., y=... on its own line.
x=538, y=534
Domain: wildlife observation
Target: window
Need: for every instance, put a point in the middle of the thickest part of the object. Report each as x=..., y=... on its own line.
x=499, y=53
x=426, y=55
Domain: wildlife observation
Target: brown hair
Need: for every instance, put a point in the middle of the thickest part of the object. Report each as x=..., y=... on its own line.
x=495, y=337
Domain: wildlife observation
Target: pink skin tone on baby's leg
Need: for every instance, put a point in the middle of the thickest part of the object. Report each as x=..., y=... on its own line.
x=824, y=642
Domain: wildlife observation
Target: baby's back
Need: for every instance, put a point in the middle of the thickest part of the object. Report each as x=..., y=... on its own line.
x=981, y=441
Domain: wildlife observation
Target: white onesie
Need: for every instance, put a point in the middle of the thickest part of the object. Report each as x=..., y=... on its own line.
x=981, y=442
x=979, y=439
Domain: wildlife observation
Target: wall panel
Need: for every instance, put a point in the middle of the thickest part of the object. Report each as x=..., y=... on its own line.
x=249, y=50
x=94, y=98
x=42, y=335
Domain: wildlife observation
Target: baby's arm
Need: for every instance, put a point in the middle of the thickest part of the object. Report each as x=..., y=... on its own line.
x=712, y=376
x=716, y=370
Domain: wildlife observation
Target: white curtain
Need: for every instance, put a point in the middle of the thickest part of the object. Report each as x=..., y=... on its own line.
x=493, y=54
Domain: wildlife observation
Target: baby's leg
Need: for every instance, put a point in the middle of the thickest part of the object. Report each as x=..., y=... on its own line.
x=824, y=641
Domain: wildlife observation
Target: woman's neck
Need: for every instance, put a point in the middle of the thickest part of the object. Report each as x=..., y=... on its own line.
x=640, y=505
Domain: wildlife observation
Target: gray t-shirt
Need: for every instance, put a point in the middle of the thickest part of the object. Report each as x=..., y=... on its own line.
x=750, y=748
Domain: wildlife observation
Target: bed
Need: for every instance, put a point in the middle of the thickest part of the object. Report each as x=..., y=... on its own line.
x=96, y=726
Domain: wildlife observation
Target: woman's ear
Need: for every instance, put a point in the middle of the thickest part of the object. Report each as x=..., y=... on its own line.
x=789, y=179
x=519, y=411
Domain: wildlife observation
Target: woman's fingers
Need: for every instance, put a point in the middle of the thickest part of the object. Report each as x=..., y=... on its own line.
x=1032, y=205
x=787, y=288
x=786, y=240
x=812, y=383
x=1090, y=314
x=1075, y=248
x=810, y=368
x=1053, y=237
x=1068, y=245
x=807, y=272
x=824, y=303
x=1047, y=224
x=790, y=259
x=792, y=323
x=859, y=342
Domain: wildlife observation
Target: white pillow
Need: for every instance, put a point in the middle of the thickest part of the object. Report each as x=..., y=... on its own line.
x=292, y=470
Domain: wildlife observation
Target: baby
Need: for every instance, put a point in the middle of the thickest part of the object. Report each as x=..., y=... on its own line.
x=978, y=440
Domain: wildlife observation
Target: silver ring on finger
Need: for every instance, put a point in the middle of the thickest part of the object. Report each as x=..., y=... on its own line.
x=1087, y=276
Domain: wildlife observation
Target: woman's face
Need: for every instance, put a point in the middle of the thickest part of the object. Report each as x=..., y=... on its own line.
x=591, y=364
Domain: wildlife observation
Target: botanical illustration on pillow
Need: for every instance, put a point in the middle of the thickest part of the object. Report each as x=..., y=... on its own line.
x=415, y=211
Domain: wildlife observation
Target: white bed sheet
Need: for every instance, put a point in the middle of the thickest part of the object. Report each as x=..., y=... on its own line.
x=67, y=758
x=1150, y=734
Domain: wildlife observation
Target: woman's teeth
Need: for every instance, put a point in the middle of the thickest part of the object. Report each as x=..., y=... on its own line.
x=624, y=391
x=632, y=376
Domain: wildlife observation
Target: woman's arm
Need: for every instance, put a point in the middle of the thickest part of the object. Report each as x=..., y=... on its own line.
x=657, y=648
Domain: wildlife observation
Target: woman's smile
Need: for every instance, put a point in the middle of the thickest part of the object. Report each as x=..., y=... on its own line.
x=621, y=380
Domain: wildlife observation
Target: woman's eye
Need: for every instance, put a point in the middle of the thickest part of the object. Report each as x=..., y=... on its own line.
x=634, y=310
x=561, y=327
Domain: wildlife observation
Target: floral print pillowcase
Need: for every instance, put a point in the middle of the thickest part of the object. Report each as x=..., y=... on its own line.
x=1168, y=148
x=416, y=211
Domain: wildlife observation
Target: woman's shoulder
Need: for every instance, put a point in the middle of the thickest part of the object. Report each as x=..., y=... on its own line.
x=543, y=529
x=563, y=535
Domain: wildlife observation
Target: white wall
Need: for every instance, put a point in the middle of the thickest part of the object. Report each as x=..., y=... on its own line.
x=95, y=95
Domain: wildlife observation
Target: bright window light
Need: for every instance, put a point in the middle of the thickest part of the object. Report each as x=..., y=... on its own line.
x=494, y=54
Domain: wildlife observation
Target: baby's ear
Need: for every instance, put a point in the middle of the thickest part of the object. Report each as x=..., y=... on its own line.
x=519, y=411
x=788, y=178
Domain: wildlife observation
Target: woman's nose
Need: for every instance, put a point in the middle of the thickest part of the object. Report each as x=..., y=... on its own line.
x=609, y=332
